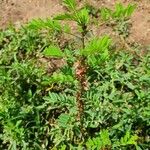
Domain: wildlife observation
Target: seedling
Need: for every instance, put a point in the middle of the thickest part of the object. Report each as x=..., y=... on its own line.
x=119, y=17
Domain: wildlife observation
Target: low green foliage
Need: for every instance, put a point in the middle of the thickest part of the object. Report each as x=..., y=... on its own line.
x=38, y=106
x=120, y=12
x=119, y=17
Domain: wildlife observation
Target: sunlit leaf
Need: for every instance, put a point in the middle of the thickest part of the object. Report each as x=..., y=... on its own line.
x=53, y=51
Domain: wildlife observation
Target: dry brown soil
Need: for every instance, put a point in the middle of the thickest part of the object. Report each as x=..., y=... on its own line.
x=20, y=11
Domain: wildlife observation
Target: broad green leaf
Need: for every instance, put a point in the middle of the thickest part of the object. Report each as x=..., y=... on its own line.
x=53, y=51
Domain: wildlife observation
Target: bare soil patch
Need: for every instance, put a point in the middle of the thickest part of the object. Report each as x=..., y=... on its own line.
x=20, y=11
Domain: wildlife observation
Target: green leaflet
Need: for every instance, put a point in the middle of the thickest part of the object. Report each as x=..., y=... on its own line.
x=79, y=16
x=70, y=4
x=83, y=17
x=106, y=14
x=61, y=78
x=120, y=12
x=65, y=16
x=99, y=142
x=129, y=10
x=97, y=46
x=53, y=51
x=63, y=120
x=38, y=24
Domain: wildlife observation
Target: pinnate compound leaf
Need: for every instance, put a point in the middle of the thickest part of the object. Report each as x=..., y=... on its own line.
x=83, y=17
x=97, y=46
x=39, y=24
x=129, y=139
x=100, y=142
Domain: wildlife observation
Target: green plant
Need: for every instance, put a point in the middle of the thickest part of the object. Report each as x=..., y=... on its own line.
x=119, y=17
x=120, y=12
x=96, y=47
x=102, y=141
x=97, y=99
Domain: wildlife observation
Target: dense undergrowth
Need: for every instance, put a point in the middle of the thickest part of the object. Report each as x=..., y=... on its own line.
x=40, y=104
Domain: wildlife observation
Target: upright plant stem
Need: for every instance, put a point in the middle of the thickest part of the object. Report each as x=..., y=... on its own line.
x=80, y=67
x=83, y=40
